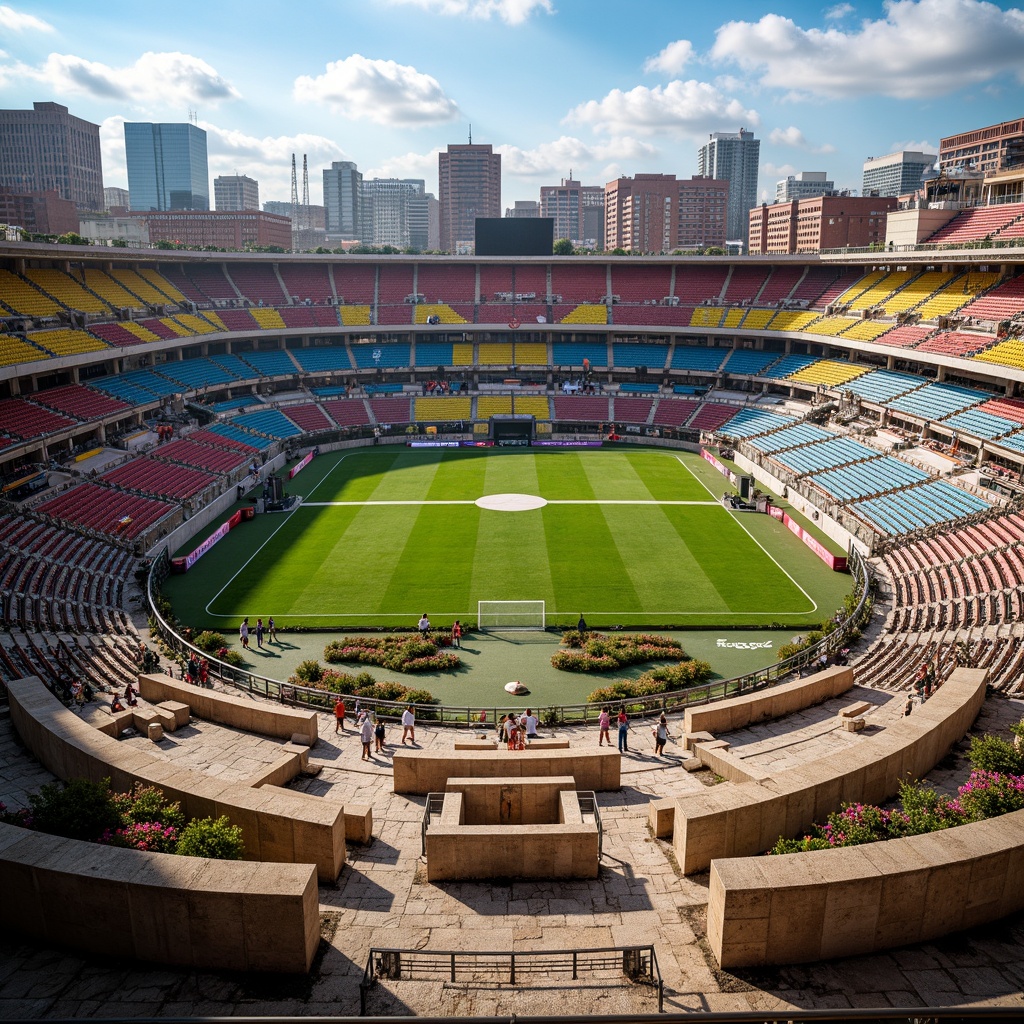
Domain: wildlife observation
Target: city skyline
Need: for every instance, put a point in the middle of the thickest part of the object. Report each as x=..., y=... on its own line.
x=391, y=85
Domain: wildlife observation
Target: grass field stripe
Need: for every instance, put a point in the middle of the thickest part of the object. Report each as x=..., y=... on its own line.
x=738, y=517
x=553, y=501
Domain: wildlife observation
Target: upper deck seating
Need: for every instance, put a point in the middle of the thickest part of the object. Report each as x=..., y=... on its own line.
x=110, y=290
x=696, y=284
x=123, y=335
x=81, y=402
x=107, y=510
x=17, y=350
x=641, y=284
x=189, y=452
x=259, y=283
x=843, y=282
x=67, y=342
x=906, y=336
x=780, y=285
x=350, y=412
x=210, y=280
x=323, y=358
x=698, y=358
x=581, y=408
x=831, y=373
x=182, y=285
x=304, y=281
x=790, y=364
x=749, y=361
x=446, y=282
x=193, y=374
x=744, y=284
x=1003, y=302
x=22, y=297
x=22, y=419
x=308, y=417
x=309, y=316
x=977, y=223
x=146, y=284
x=495, y=279
x=67, y=290
x=579, y=282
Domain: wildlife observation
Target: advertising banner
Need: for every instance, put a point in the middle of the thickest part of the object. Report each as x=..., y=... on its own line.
x=835, y=562
x=300, y=466
x=221, y=532
x=566, y=444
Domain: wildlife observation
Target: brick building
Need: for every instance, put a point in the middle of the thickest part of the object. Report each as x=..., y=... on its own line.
x=819, y=223
x=42, y=213
x=224, y=230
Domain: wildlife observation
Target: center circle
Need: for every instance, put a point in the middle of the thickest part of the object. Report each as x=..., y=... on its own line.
x=511, y=502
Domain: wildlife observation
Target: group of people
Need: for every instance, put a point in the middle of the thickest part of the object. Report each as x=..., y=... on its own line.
x=371, y=728
x=197, y=671
x=456, y=631
x=130, y=699
x=270, y=630
x=517, y=731
x=604, y=725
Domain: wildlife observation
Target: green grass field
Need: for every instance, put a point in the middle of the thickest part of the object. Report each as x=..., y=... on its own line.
x=629, y=537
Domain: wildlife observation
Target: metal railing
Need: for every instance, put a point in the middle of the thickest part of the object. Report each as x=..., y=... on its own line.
x=477, y=717
x=638, y=964
x=431, y=809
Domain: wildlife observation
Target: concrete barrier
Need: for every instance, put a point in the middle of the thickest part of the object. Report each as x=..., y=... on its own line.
x=857, y=900
x=238, y=712
x=418, y=772
x=182, y=911
x=740, y=819
x=277, y=825
x=773, y=702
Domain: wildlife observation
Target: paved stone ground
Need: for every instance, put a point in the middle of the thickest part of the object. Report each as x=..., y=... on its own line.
x=382, y=899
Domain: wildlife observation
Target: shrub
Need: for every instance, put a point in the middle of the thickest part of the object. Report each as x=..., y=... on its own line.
x=309, y=672
x=994, y=754
x=78, y=809
x=398, y=653
x=148, y=836
x=209, y=837
x=209, y=641
x=595, y=652
x=146, y=804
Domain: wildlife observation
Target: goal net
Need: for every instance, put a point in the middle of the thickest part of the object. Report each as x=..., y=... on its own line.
x=506, y=615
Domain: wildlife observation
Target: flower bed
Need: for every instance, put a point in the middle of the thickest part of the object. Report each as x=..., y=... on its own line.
x=657, y=680
x=595, y=652
x=398, y=653
x=138, y=820
x=995, y=786
x=362, y=686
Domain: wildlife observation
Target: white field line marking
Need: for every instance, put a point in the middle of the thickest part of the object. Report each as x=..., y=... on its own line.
x=738, y=518
x=555, y=501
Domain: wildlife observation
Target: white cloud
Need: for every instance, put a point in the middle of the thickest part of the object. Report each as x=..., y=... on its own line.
x=17, y=21
x=920, y=48
x=512, y=12
x=378, y=90
x=554, y=160
x=770, y=170
x=408, y=165
x=839, y=12
x=912, y=146
x=792, y=136
x=672, y=59
x=162, y=80
x=690, y=107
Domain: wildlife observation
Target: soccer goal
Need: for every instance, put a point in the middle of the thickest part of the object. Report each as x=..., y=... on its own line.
x=500, y=616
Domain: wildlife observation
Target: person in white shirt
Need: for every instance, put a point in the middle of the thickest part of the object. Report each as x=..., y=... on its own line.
x=409, y=724
x=531, y=725
x=424, y=625
x=366, y=736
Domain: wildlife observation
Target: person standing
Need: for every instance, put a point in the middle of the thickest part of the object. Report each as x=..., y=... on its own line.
x=604, y=722
x=271, y=631
x=366, y=736
x=243, y=633
x=339, y=715
x=259, y=632
x=581, y=626
x=378, y=735
x=623, y=721
x=660, y=736
x=531, y=725
x=423, y=626
x=456, y=634
x=409, y=724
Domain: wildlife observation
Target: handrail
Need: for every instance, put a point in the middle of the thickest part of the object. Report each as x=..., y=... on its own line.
x=637, y=963
x=552, y=715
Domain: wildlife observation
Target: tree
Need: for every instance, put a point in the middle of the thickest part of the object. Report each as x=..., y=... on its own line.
x=714, y=250
x=72, y=238
x=563, y=247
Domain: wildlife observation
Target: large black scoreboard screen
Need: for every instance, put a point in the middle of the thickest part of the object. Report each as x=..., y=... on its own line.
x=514, y=236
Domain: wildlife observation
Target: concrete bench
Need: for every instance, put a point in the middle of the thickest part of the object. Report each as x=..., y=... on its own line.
x=476, y=744
x=358, y=823
x=180, y=711
x=854, y=710
x=547, y=744
x=181, y=911
x=419, y=772
x=238, y=712
x=771, y=702
x=852, y=724
x=661, y=815
x=116, y=723
x=277, y=825
x=746, y=818
x=143, y=718
x=858, y=900
x=277, y=773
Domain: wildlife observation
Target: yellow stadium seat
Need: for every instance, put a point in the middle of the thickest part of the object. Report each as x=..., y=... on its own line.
x=111, y=291
x=354, y=316
x=493, y=405
x=441, y=310
x=268, y=319
x=162, y=285
x=66, y=342
x=495, y=354
x=451, y=408
x=214, y=319
x=831, y=326
x=706, y=316
x=881, y=290
x=864, y=284
x=179, y=328
x=530, y=353
x=1005, y=353
x=734, y=317
x=868, y=330
x=829, y=372
x=587, y=313
x=462, y=354
x=532, y=405
x=758, y=319
x=15, y=350
x=25, y=299
x=140, y=332
x=66, y=289
x=792, y=320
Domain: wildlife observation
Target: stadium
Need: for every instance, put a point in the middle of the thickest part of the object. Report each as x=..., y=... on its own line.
x=366, y=406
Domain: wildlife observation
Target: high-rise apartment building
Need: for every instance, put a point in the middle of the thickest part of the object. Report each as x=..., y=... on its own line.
x=167, y=166
x=999, y=147
x=46, y=149
x=236, y=192
x=386, y=216
x=343, y=189
x=658, y=213
x=895, y=174
x=115, y=198
x=803, y=186
x=576, y=209
x=470, y=187
x=733, y=157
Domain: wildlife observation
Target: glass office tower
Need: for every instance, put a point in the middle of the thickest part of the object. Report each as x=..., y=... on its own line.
x=167, y=166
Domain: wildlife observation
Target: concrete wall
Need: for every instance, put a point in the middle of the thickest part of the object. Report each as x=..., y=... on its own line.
x=744, y=819
x=276, y=825
x=510, y=801
x=860, y=899
x=763, y=705
x=418, y=772
x=185, y=911
x=228, y=709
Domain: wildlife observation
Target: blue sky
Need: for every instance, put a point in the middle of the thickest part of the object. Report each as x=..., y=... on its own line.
x=602, y=88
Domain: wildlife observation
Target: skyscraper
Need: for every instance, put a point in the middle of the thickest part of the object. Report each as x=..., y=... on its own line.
x=568, y=205
x=236, y=192
x=343, y=192
x=167, y=166
x=470, y=187
x=733, y=157
x=895, y=174
x=46, y=149
x=387, y=211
